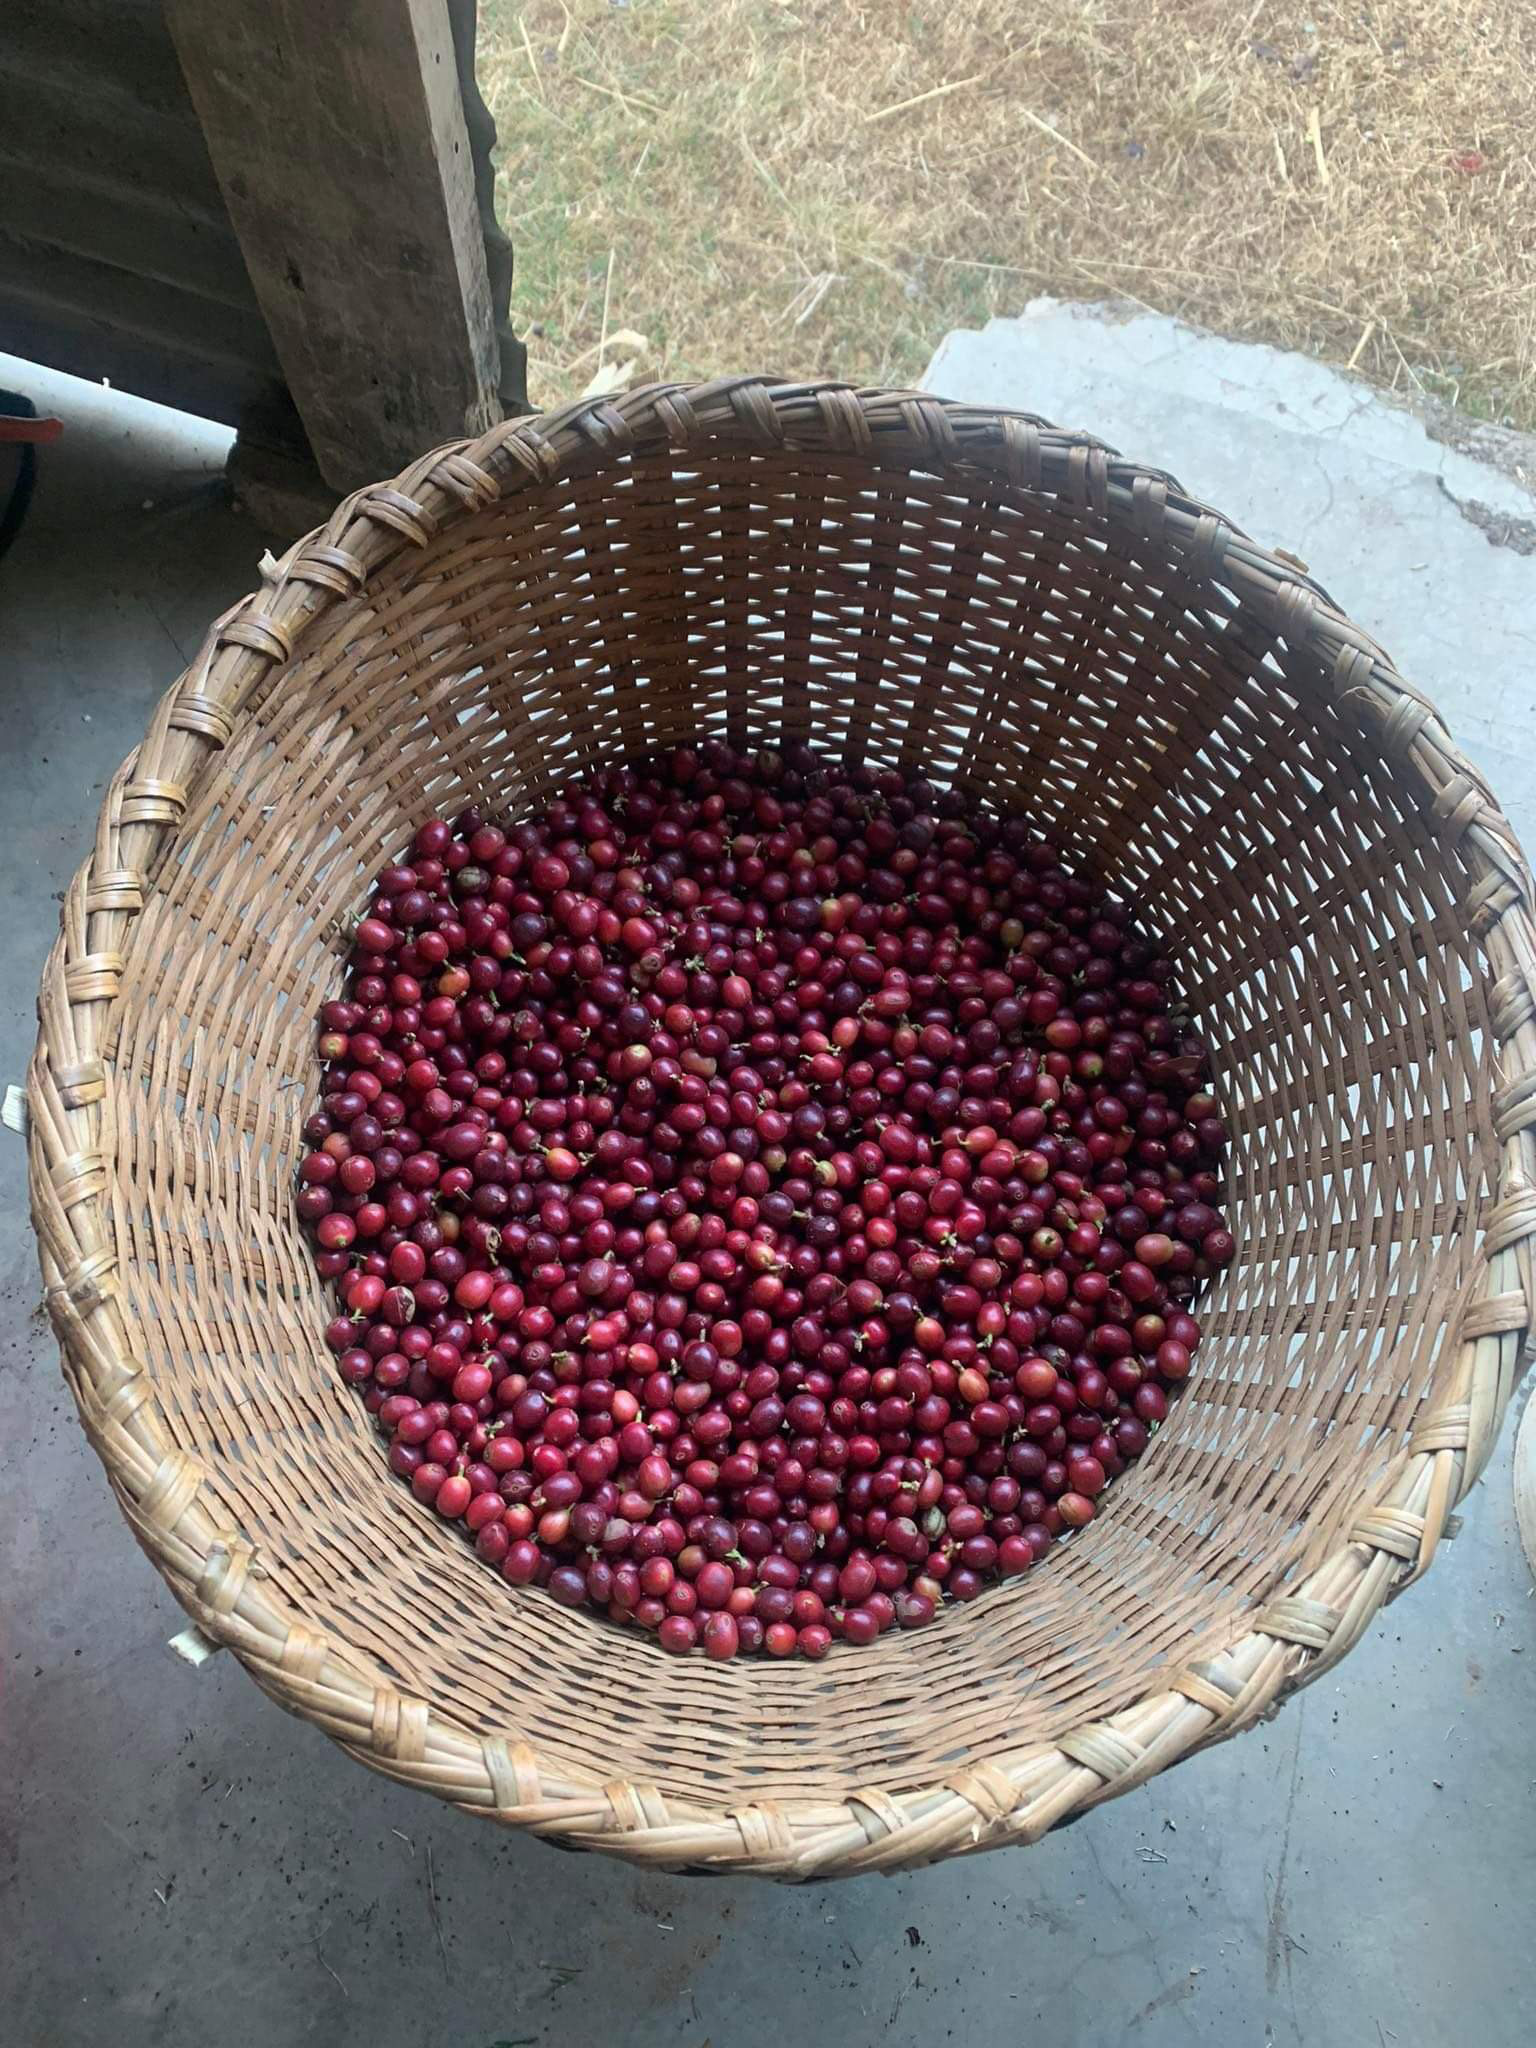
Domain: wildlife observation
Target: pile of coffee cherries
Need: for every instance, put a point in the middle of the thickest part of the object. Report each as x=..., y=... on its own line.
x=763, y=1196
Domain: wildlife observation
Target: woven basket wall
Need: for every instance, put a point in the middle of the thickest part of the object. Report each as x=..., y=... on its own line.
x=1058, y=631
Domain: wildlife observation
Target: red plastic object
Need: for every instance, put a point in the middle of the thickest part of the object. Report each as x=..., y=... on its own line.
x=36, y=432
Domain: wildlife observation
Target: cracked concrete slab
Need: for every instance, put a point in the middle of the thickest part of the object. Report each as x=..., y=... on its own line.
x=1427, y=547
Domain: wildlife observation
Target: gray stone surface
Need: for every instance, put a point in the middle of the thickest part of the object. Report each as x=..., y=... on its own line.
x=180, y=1863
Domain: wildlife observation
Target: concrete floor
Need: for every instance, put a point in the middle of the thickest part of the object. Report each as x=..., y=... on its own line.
x=180, y=1863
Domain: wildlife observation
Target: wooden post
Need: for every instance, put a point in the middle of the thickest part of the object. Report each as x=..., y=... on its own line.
x=463, y=15
x=337, y=131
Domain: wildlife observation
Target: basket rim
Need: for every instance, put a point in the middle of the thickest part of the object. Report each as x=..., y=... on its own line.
x=1014, y=1795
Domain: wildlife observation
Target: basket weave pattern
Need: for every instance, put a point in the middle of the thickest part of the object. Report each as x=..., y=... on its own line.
x=1014, y=609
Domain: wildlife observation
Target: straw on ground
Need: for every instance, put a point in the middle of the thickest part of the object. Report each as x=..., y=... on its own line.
x=1338, y=176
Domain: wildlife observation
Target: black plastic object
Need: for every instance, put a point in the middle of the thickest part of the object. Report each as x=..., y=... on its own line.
x=13, y=510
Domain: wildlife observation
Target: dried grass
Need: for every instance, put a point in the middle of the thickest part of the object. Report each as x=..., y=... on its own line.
x=827, y=187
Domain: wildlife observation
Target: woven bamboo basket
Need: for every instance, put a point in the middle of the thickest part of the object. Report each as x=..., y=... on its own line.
x=905, y=581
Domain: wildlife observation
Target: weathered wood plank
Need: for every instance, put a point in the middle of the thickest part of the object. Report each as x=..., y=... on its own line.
x=98, y=320
x=479, y=121
x=337, y=132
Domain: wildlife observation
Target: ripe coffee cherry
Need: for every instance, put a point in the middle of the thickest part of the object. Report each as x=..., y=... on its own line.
x=765, y=1197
